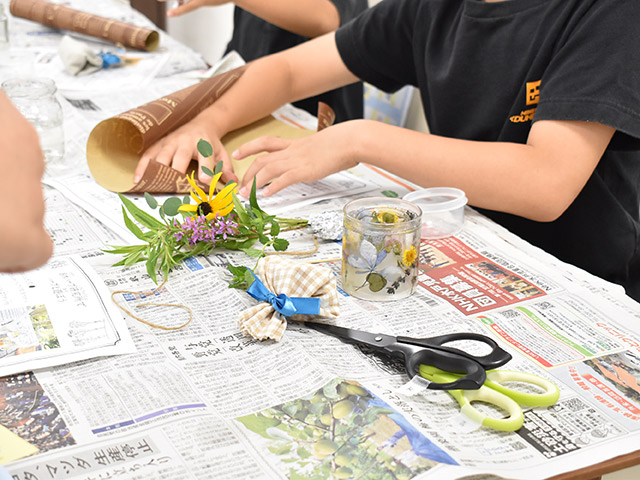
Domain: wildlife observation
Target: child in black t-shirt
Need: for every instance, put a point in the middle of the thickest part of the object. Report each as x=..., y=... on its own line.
x=262, y=27
x=533, y=108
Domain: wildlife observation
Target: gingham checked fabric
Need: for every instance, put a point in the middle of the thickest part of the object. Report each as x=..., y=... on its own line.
x=295, y=279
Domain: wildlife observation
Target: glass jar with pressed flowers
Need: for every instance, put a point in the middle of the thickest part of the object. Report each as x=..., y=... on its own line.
x=380, y=247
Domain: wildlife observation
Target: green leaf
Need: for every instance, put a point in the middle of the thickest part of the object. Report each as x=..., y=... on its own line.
x=151, y=268
x=248, y=277
x=151, y=201
x=207, y=170
x=237, y=271
x=253, y=252
x=120, y=249
x=263, y=239
x=275, y=228
x=376, y=282
x=139, y=215
x=133, y=258
x=171, y=205
x=389, y=193
x=237, y=244
x=280, y=244
x=186, y=200
x=253, y=200
x=133, y=228
x=205, y=148
x=240, y=210
x=218, y=167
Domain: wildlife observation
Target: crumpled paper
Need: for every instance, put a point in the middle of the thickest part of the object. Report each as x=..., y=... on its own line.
x=295, y=279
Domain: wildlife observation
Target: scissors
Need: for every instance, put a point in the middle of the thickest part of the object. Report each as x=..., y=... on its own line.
x=495, y=393
x=429, y=351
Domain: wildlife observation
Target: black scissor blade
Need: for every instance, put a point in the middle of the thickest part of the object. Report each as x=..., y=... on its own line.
x=375, y=340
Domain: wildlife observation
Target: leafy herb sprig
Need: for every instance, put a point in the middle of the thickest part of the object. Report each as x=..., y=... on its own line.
x=218, y=221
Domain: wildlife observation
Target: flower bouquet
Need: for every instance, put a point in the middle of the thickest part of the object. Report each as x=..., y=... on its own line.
x=215, y=221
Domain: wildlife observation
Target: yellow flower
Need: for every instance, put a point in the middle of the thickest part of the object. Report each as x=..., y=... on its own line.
x=384, y=216
x=210, y=205
x=409, y=256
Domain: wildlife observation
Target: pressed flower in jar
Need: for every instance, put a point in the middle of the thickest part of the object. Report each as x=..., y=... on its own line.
x=380, y=247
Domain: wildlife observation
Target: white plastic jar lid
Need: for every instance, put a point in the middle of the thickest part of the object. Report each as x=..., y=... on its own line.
x=437, y=199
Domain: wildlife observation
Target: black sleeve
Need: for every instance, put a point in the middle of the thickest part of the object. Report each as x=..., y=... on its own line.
x=595, y=74
x=350, y=9
x=378, y=47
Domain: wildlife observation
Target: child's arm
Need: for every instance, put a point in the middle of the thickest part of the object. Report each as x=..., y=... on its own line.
x=308, y=18
x=537, y=180
x=268, y=83
x=24, y=243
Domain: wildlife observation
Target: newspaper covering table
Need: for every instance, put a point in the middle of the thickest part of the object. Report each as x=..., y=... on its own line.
x=208, y=402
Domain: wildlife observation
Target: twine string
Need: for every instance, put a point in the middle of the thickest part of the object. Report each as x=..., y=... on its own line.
x=147, y=304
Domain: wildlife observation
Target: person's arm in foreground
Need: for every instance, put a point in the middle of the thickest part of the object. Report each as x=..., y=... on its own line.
x=24, y=243
x=537, y=180
x=308, y=18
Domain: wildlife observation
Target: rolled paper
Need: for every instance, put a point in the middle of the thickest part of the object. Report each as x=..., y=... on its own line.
x=285, y=305
x=115, y=145
x=65, y=18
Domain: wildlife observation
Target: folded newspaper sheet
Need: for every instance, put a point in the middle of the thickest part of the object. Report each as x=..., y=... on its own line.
x=65, y=18
x=210, y=402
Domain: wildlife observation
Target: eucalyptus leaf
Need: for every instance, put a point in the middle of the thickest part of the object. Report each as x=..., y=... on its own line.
x=218, y=168
x=151, y=200
x=206, y=170
x=171, y=205
x=205, y=148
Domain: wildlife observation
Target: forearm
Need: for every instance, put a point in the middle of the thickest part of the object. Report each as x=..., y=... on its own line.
x=535, y=180
x=309, y=18
x=270, y=82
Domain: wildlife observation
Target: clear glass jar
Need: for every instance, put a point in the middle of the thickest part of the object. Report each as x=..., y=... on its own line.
x=36, y=99
x=380, y=248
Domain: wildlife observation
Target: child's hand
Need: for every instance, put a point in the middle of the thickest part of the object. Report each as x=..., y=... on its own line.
x=302, y=160
x=191, y=5
x=24, y=243
x=180, y=147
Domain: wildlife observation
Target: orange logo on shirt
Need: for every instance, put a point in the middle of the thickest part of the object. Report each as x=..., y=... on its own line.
x=532, y=93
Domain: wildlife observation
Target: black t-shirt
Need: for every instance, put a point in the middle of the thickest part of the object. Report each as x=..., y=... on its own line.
x=254, y=38
x=487, y=70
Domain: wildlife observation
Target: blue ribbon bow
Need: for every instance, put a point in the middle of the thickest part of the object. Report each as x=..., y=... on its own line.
x=109, y=59
x=284, y=304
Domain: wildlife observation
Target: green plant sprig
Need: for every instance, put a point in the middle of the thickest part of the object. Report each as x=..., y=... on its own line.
x=163, y=249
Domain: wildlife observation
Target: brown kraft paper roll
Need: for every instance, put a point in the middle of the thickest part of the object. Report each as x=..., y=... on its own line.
x=65, y=18
x=115, y=145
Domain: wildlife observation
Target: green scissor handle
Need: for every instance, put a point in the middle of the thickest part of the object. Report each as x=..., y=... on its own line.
x=494, y=393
